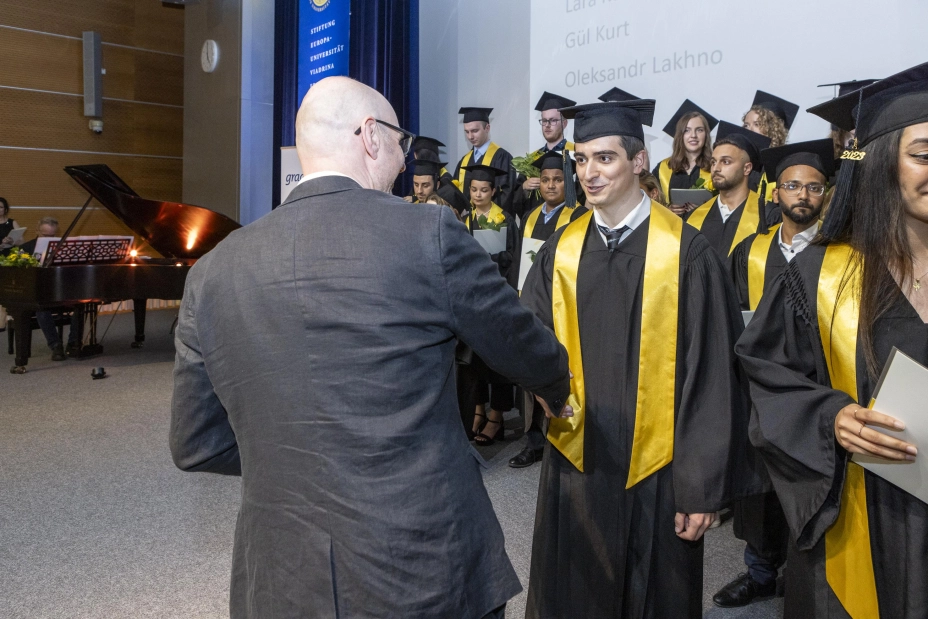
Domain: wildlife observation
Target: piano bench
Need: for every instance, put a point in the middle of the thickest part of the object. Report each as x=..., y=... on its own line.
x=62, y=319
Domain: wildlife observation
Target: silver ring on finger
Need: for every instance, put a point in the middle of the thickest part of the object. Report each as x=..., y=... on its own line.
x=859, y=432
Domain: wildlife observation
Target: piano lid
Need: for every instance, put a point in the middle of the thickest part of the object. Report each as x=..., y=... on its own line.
x=174, y=229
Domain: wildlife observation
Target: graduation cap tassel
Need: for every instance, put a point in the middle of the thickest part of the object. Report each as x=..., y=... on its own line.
x=762, y=200
x=570, y=192
x=840, y=207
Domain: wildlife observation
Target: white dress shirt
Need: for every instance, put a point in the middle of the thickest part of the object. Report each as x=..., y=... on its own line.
x=632, y=220
x=724, y=210
x=309, y=177
x=800, y=241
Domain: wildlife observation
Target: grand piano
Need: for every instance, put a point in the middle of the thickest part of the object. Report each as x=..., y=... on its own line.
x=181, y=233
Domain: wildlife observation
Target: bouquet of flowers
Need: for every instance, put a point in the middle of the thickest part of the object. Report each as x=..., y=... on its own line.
x=18, y=258
x=495, y=222
x=702, y=183
x=523, y=165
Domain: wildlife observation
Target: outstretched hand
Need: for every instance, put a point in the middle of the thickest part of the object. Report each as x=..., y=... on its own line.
x=852, y=432
x=567, y=411
x=692, y=526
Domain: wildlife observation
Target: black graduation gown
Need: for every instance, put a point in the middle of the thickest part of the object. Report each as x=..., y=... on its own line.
x=758, y=519
x=600, y=550
x=738, y=264
x=505, y=183
x=679, y=180
x=793, y=427
x=542, y=231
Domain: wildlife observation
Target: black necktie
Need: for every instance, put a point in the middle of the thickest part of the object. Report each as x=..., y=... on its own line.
x=613, y=237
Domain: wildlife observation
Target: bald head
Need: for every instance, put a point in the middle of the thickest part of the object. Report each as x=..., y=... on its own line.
x=331, y=113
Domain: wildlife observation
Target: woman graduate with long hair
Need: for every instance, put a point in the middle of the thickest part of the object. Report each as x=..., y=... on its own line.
x=814, y=350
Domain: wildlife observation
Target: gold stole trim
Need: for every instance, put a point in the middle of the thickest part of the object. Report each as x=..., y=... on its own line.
x=848, y=559
x=757, y=265
x=569, y=146
x=664, y=173
x=487, y=157
x=494, y=209
x=563, y=218
x=748, y=225
x=652, y=446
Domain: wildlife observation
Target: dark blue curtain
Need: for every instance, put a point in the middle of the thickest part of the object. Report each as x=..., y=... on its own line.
x=286, y=51
x=384, y=54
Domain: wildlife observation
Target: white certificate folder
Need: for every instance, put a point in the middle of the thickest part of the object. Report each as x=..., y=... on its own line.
x=901, y=393
x=493, y=241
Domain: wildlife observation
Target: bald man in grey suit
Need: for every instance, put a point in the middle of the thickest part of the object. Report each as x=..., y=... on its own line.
x=315, y=358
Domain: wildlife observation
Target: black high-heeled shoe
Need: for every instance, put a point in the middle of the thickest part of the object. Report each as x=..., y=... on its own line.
x=500, y=435
x=472, y=434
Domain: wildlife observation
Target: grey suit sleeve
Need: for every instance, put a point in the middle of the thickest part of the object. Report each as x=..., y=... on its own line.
x=201, y=438
x=488, y=317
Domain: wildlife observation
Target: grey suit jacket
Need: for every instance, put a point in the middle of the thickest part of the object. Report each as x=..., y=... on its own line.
x=315, y=358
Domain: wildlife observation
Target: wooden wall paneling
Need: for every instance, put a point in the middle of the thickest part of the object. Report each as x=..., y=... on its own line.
x=131, y=74
x=37, y=178
x=58, y=59
x=42, y=120
x=138, y=23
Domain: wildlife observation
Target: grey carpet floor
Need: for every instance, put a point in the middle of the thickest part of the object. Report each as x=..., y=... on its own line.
x=95, y=521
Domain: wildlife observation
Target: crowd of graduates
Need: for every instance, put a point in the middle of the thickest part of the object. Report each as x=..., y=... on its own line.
x=723, y=353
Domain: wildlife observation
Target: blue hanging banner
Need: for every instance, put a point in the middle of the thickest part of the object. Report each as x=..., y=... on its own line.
x=323, y=44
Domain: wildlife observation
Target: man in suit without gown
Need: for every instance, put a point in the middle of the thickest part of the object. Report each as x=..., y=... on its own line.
x=315, y=358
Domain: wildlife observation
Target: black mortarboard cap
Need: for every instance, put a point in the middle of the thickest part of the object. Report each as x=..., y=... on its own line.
x=427, y=144
x=745, y=139
x=785, y=110
x=549, y=101
x=687, y=107
x=426, y=167
x=617, y=94
x=480, y=172
x=596, y=120
x=898, y=101
x=845, y=88
x=818, y=154
x=473, y=114
x=552, y=160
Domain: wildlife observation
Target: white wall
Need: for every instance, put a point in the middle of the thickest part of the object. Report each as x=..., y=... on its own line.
x=475, y=52
x=504, y=54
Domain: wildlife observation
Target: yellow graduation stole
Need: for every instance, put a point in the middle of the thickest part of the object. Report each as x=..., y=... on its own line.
x=664, y=173
x=848, y=559
x=487, y=158
x=652, y=445
x=563, y=218
x=757, y=265
x=750, y=218
x=494, y=210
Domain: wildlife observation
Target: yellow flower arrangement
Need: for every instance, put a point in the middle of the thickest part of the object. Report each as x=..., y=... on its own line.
x=18, y=258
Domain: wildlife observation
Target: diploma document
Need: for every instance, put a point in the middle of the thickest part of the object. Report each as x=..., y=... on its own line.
x=901, y=393
x=530, y=248
x=493, y=241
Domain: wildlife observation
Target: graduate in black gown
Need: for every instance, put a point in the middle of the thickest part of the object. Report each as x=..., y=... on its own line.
x=737, y=212
x=424, y=151
x=528, y=193
x=558, y=209
x=477, y=382
x=801, y=172
x=690, y=128
x=631, y=481
x=814, y=350
x=485, y=152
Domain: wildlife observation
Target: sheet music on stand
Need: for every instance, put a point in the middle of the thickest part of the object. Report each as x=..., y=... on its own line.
x=99, y=249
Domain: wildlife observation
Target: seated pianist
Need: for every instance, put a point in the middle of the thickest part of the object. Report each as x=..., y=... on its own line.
x=48, y=226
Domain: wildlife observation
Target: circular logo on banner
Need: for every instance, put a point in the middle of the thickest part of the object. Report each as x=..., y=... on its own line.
x=320, y=5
